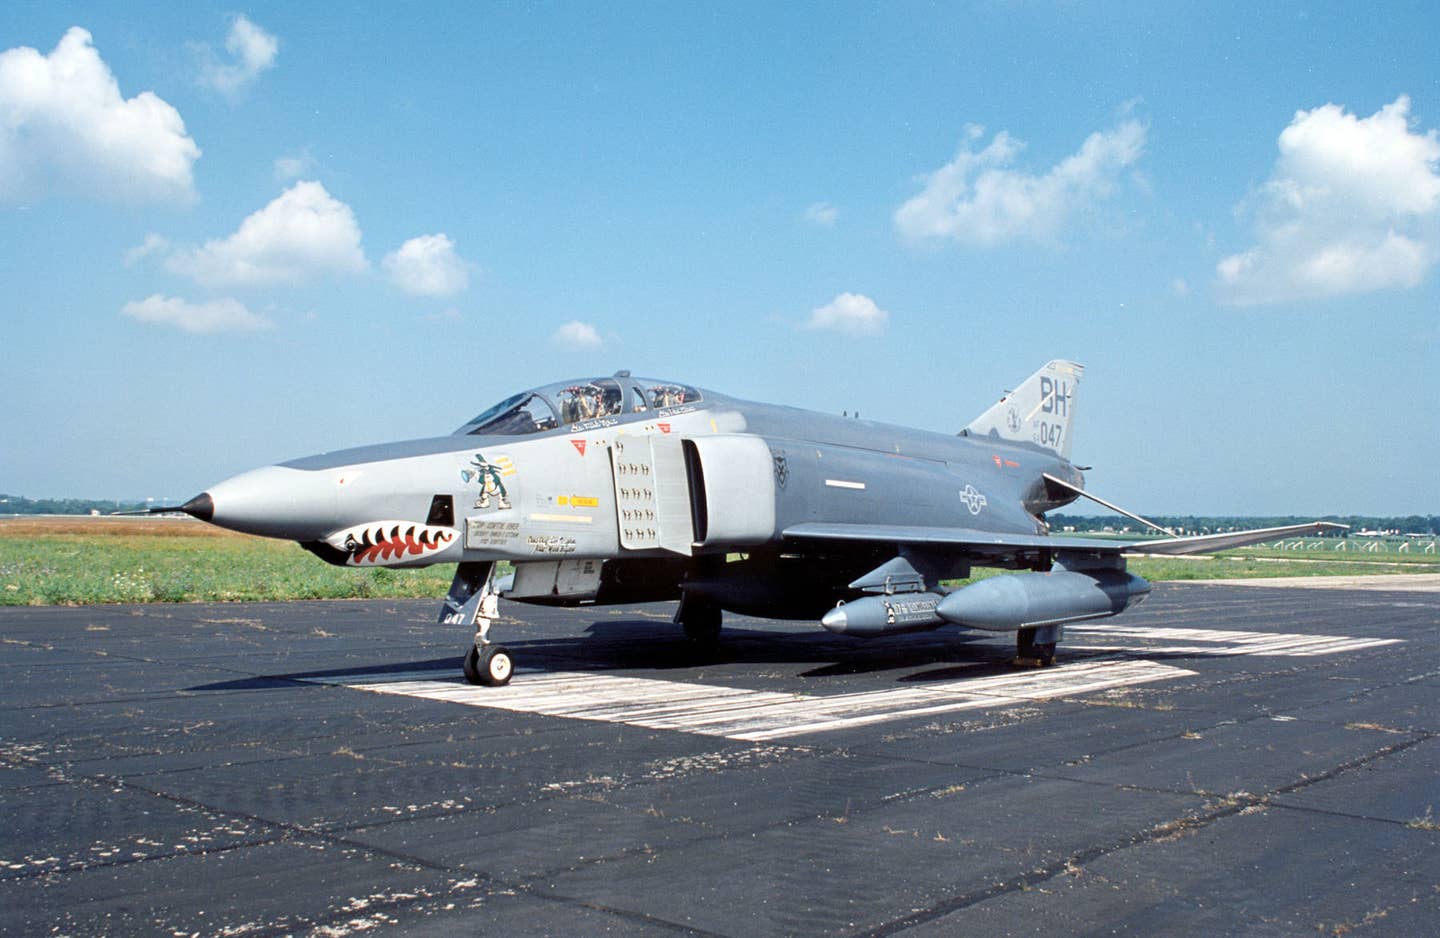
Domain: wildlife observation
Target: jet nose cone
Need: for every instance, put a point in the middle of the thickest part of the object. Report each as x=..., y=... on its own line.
x=835, y=620
x=202, y=506
x=274, y=502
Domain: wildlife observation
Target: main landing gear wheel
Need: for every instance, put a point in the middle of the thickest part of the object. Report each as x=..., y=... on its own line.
x=489, y=665
x=701, y=622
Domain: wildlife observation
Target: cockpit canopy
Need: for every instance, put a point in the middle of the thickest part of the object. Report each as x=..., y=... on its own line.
x=578, y=402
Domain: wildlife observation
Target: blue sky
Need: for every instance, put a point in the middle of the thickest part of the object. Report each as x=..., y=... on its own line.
x=231, y=236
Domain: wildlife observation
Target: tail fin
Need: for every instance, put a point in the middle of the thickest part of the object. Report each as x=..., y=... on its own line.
x=1040, y=411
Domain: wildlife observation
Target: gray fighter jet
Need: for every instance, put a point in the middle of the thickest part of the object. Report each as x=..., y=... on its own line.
x=625, y=490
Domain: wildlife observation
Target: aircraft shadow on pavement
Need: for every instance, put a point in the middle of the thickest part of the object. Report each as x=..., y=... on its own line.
x=443, y=667
x=640, y=645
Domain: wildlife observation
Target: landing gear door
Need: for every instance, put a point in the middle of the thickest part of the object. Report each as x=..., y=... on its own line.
x=652, y=494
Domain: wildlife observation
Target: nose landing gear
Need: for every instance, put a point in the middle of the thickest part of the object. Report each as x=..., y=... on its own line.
x=473, y=600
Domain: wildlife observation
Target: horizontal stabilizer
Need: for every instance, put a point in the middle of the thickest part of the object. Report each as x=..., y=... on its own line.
x=1054, y=483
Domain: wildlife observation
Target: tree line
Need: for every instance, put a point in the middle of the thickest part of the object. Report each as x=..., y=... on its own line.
x=20, y=505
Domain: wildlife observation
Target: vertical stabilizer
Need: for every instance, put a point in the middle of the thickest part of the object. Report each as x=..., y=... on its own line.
x=1040, y=411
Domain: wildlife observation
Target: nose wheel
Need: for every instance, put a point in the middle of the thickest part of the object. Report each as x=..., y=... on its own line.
x=489, y=665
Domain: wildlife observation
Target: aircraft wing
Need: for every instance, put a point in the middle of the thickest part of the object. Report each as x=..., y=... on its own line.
x=989, y=542
x=973, y=541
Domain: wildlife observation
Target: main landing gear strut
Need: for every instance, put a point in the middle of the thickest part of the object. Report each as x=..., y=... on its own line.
x=473, y=600
x=1035, y=646
x=701, y=620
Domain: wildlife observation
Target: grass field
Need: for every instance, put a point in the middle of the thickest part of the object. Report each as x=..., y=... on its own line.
x=74, y=561
x=56, y=561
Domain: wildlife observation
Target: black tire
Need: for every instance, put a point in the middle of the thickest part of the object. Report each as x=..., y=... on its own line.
x=1033, y=653
x=471, y=666
x=490, y=666
x=701, y=622
x=495, y=666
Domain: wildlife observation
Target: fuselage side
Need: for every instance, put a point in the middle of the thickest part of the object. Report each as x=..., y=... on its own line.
x=607, y=489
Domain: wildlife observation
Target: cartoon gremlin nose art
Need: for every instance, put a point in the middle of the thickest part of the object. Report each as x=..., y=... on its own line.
x=490, y=477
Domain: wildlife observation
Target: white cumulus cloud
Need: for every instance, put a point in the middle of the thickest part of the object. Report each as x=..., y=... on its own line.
x=427, y=266
x=305, y=232
x=822, y=213
x=294, y=165
x=977, y=198
x=576, y=336
x=252, y=51
x=64, y=124
x=1352, y=206
x=153, y=244
x=222, y=315
x=849, y=314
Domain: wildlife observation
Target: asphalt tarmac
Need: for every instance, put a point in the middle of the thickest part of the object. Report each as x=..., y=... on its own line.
x=1220, y=760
